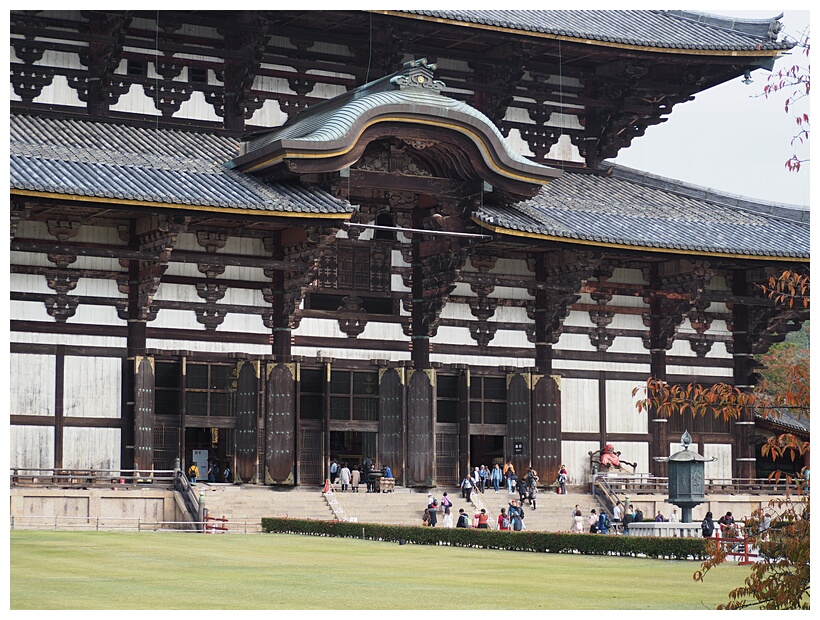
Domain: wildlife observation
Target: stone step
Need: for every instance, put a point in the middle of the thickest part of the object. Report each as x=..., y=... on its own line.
x=401, y=507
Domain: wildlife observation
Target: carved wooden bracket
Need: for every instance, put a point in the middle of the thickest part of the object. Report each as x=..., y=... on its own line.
x=682, y=283
x=61, y=306
x=28, y=79
x=156, y=235
x=563, y=273
x=19, y=213
x=352, y=326
x=483, y=307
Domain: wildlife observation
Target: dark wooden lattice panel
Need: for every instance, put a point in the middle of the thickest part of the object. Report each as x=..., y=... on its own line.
x=391, y=388
x=144, y=414
x=247, y=402
x=166, y=446
x=463, y=423
x=280, y=425
x=447, y=469
x=517, y=444
x=311, y=470
x=420, y=424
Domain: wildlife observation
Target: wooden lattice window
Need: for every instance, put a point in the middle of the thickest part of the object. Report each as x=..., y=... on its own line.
x=210, y=389
x=447, y=398
x=488, y=400
x=354, y=395
x=357, y=266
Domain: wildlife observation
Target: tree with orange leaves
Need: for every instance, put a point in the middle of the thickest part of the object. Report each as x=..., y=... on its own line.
x=781, y=532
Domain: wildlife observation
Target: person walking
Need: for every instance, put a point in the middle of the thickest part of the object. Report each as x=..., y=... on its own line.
x=482, y=517
x=463, y=519
x=563, y=477
x=445, y=501
x=447, y=518
x=509, y=476
x=578, y=523
x=344, y=477
x=193, y=473
x=334, y=470
x=432, y=508
x=367, y=467
x=707, y=526
x=355, y=479
x=512, y=480
x=496, y=477
x=467, y=487
x=483, y=475
x=503, y=520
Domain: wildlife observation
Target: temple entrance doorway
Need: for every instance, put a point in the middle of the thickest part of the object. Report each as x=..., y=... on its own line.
x=208, y=446
x=352, y=447
x=486, y=450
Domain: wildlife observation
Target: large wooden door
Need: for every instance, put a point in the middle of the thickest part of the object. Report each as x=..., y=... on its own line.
x=517, y=443
x=247, y=402
x=391, y=421
x=280, y=425
x=421, y=449
x=144, y=413
x=546, y=427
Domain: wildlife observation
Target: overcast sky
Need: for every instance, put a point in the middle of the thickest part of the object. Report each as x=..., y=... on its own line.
x=728, y=138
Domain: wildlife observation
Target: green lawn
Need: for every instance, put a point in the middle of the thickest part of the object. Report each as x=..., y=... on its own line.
x=115, y=570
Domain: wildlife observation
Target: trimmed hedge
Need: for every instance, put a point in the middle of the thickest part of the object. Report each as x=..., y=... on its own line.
x=541, y=542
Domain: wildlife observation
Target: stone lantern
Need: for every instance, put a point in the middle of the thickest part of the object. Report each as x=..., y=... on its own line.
x=686, y=479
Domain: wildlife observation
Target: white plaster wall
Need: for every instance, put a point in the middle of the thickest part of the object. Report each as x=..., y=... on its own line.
x=86, y=448
x=622, y=415
x=92, y=387
x=32, y=389
x=634, y=452
x=31, y=447
x=96, y=315
x=579, y=406
x=575, y=455
x=720, y=468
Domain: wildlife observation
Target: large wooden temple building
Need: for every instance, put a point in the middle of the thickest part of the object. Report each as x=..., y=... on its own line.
x=282, y=237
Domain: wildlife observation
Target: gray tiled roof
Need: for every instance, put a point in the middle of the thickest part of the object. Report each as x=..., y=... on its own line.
x=632, y=209
x=83, y=158
x=660, y=29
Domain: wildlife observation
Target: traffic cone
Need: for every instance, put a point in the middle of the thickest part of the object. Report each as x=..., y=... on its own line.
x=327, y=486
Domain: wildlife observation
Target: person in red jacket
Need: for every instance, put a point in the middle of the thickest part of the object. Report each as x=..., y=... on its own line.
x=482, y=518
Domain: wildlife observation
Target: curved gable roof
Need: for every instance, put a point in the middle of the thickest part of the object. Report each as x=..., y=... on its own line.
x=411, y=96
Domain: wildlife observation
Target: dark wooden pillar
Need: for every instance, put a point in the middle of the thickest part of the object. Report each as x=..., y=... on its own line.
x=247, y=398
x=420, y=334
x=59, y=406
x=743, y=371
x=421, y=437
x=391, y=421
x=280, y=425
x=658, y=344
x=543, y=345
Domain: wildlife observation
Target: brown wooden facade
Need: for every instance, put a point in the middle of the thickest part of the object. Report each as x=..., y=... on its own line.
x=353, y=323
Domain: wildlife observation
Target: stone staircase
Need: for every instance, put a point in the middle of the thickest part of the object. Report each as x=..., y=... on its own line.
x=245, y=505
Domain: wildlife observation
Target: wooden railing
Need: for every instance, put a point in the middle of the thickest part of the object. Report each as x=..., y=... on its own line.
x=647, y=484
x=84, y=478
